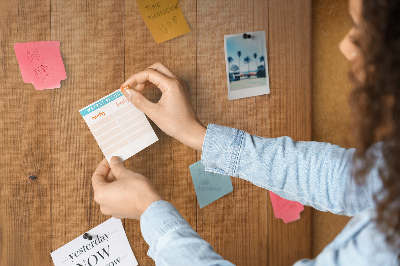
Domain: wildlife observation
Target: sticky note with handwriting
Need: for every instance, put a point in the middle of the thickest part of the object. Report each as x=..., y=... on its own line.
x=41, y=64
x=284, y=209
x=209, y=186
x=108, y=246
x=118, y=126
x=164, y=18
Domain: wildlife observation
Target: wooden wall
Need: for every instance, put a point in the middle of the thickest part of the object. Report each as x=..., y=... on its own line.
x=331, y=89
x=103, y=43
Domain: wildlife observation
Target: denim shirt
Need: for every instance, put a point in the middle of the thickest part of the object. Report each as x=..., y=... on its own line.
x=312, y=173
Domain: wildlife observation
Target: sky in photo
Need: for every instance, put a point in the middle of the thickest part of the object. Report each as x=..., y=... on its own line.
x=248, y=47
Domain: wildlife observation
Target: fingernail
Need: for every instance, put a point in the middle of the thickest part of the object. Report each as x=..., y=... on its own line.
x=115, y=160
x=125, y=88
x=129, y=92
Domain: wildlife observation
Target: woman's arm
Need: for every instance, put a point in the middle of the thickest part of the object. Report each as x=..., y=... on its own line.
x=312, y=173
x=172, y=241
x=315, y=174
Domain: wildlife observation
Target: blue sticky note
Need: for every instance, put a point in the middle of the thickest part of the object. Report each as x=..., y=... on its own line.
x=209, y=186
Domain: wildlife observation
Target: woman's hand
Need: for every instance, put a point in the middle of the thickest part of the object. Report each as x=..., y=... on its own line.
x=173, y=113
x=120, y=192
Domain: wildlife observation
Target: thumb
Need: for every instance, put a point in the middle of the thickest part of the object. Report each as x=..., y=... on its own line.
x=139, y=101
x=117, y=168
x=99, y=175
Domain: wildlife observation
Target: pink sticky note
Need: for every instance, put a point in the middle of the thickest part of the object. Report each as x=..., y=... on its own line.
x=41, y=64
x=284, y=209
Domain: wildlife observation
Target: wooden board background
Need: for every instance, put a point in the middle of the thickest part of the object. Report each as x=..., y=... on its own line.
x=331, y=91
x=103, y=43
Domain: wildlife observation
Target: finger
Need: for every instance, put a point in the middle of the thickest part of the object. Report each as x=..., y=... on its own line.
x=148, y=84
x=158, y=79
x=116, y=166
x=160, y=67
x=117, y=216
x=105, y=210
x=110, y=177
x=143, y=86
x=100, y=174
x=140, y=102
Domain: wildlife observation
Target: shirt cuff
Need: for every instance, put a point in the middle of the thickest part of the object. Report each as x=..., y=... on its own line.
x=221, y=150
x=159, y=218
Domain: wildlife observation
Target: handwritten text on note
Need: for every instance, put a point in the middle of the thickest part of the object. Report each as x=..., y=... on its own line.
x=164, y=18
x=284, y=209
x=209, y=186
x=118, y=126
x=41, y=64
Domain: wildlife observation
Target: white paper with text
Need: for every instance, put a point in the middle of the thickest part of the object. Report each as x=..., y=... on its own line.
x=108, y=247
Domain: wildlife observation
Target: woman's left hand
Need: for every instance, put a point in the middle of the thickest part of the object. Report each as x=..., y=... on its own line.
x=121, y=192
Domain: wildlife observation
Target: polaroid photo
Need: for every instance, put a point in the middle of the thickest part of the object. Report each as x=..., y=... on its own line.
x=246, y=64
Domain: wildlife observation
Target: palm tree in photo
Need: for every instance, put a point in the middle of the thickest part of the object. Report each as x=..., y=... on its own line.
x=234, y=68
x=262, y=59
x=255, y=58
x=247, y=60
x=239, y=55
x=230, y=60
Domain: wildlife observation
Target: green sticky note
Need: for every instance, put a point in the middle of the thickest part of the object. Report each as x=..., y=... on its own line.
x=209, y=186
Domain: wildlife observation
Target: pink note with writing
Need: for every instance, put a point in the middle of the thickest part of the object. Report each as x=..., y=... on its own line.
x=41, y=64
x=284, y=209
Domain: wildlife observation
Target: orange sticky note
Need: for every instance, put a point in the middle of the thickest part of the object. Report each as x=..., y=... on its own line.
x=284, y=209
x=41, y=64
x=164, y=18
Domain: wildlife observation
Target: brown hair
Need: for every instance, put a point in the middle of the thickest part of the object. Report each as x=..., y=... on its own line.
x=375, y=103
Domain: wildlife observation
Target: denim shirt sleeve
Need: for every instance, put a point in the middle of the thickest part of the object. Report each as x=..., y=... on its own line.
x=172, y=241
x=313, y=173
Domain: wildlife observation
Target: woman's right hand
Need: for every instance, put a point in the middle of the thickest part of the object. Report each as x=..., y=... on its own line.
x=173, y=113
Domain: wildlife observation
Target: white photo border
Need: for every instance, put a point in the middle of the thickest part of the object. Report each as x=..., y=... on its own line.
x=247, y=92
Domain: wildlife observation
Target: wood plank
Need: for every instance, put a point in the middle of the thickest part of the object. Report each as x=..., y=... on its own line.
x=331, y=88
x=92, y=45
x=289, y=112
x=167, y=161
x=25, y=221
x=235, y=225
x=102, y=44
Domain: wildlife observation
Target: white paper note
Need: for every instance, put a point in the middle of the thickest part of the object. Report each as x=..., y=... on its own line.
x=118, y=126
x=108, y=247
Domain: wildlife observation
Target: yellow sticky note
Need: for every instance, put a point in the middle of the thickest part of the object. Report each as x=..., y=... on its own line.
x=164, y=18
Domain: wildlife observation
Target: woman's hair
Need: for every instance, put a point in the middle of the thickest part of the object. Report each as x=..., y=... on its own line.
x=375, y=103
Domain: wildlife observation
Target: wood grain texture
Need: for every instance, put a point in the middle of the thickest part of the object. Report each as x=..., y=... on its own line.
x=91, y=35
x=25, y=143
x=102, y=44
x=289, y=112
x=235, y=225
x=331, y=90
x=167, y=161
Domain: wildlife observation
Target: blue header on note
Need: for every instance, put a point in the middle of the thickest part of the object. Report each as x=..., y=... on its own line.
x=101, y=103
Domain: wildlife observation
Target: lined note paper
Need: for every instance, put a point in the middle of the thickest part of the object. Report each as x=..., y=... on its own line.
x=209, y=186
x=41, y=64
x=118, y=126
x=164, y=18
